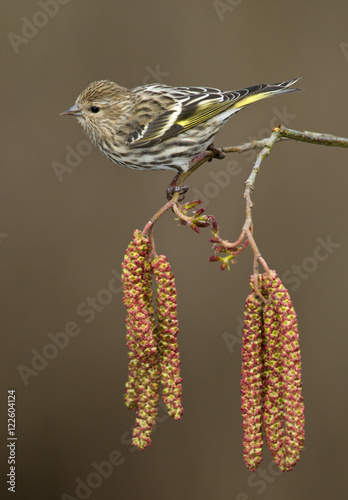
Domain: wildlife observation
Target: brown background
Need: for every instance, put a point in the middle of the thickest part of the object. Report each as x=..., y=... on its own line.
x=60, y=242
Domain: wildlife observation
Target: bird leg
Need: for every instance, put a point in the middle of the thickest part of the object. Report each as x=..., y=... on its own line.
x=174, y=188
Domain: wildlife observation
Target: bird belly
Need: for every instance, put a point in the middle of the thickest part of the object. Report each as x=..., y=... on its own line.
x=175, y=153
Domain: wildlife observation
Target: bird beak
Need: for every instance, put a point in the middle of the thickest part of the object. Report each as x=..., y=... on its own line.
x=75, y=110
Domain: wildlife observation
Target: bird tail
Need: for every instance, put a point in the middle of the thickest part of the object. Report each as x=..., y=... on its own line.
x=263, y=90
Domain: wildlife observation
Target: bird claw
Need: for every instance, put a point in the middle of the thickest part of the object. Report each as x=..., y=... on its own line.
x=219, y=153
x=171, y=190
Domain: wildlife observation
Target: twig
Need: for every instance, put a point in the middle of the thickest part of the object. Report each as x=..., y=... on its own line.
x=266, y=149
x=246, y=237
x=313, y=137
x=158, y=214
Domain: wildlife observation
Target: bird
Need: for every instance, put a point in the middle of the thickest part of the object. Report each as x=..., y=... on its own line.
x=160, y=127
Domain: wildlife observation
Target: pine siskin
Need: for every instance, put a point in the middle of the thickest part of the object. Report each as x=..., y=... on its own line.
x=158, y=127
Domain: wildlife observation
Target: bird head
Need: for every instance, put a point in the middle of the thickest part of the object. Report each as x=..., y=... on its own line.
x=99, y=108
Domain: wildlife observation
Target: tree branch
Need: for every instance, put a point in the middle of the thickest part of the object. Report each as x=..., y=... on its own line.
x=230, y=250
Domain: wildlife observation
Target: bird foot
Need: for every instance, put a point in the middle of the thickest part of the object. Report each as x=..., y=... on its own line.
x=219, y=154
x=174, y=188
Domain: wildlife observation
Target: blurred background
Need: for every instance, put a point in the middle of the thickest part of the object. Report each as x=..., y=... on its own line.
x=67, y=215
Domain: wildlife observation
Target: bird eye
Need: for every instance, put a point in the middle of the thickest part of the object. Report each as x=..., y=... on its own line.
x=95, y=109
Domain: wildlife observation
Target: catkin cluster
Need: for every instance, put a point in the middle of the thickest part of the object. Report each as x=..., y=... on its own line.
x=152, y=338
x=272, y=403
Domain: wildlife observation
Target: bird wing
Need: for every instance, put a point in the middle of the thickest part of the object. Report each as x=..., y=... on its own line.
x=195, y=105
x=192, y=106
